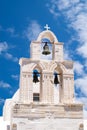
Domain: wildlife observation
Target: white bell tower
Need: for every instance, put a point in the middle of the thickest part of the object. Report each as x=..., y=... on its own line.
x=46, y=88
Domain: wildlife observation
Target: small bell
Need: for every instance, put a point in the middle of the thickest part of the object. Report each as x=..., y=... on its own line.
x=46, y=49
x=35, y=77
x=56, y=81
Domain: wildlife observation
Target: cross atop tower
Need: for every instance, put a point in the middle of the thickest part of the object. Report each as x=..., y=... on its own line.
x=47, y=27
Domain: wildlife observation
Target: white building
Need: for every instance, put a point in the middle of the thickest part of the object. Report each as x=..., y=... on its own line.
x=45, y=99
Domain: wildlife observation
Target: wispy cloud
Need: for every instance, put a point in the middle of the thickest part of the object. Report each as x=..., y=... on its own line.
x=78, y=68
x=4, y=85
x=3, y=47
x=11, y=57
x=16, y=77
x=67, y=55
x=32, y=30
x=4, y=52
x=75, y=13
x=81, y=83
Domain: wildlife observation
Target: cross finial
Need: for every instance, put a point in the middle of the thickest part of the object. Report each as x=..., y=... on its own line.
x=47, y=27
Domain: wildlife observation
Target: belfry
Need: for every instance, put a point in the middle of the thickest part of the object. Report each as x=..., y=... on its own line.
x=45, y=98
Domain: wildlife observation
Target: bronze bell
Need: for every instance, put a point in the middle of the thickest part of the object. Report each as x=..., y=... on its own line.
x=46, y=49
x=56, y=81
x=35, y=77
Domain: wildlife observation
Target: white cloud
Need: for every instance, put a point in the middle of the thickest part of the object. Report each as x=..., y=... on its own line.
x=4, y=52
x=53, y=12
x=75, y=13
x=33, y=30
x=16, y=77
x=81, y=83
x=83, y=50
x=3, y=47
x=64, y=4
x=67, y=55
x=82, y=100
x=4, y=85
x=78, y=68
x=11, y=57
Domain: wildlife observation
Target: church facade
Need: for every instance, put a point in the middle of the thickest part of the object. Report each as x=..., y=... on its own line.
x=45, y=99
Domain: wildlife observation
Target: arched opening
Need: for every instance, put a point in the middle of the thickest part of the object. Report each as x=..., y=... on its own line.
x=46, y=49
x=57, y=85
x=56, y=75
x=36, y=84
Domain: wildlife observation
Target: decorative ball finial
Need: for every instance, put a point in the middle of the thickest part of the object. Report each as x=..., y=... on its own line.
x=47, y=27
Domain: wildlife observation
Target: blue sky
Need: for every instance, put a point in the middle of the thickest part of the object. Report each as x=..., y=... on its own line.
x=21, y=21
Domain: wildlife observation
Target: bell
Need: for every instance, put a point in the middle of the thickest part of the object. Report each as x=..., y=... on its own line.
x=56, y=81
x=35, y=77
x=46, y=49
